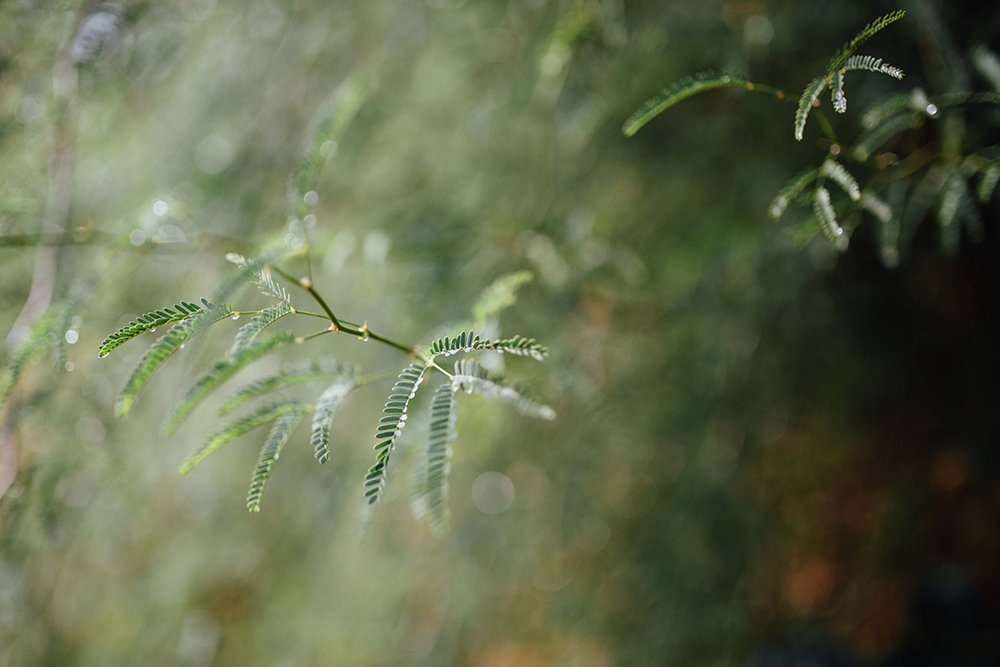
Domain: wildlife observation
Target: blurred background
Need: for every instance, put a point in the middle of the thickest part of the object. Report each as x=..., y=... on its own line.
x=766, y=453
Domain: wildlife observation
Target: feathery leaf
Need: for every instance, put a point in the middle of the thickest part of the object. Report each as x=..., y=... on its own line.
x=519, y=346
x=292, y=374
x=39, y=337
x=872, y=64
x=500, y=295
x=430, y=502
x=264, y=318
x=221, y=372
x=806, y=103
x=261, y=276
x=472, y=378
x=327, y=128
x=870, y=30
x=326, y=404
x=868, y=142
x=148, y=322
x=269, y=454
x=258, y=417
x=677, y=91
x=162, y=349
x=467, y=341
x=988, y=183
x=839, y=175
x=828, y=218
x=880, y=209
x=237, y=279
x=839, y=97
x=390, y=427
x=952, y=197
x=792, y=189
x=889, y=107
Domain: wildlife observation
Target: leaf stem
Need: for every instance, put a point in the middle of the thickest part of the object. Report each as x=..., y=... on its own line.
x=828, y=130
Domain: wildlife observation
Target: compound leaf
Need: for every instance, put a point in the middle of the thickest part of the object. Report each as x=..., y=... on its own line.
x=676, y=92
x=390, y=427
x=269, y=454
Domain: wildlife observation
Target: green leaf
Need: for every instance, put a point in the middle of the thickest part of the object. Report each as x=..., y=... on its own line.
x=828, y=218
x=519, y=346
x=500, y=295
x=839, y=175
x=261, y=276
x=264, y=318
x=221, y=372
x=791, y=191
x=953, y=195
x=430, y=502
x=259, y=417
x=877, y=207
x=676, y=92
x=467, y=341
x=871, y=140
x=390, y=427
x=806, y=103
x=472, y=378
x=39, y=338
x=872, y=64
x=328, y=128
x=326, y=404
x=148, y=322
x=163, y=349
x=269, y=454
x=293, y=374
x=838, y=96
x=988, y=183
x=847, y=50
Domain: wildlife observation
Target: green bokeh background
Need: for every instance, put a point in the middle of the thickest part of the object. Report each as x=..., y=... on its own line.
x=765, y=453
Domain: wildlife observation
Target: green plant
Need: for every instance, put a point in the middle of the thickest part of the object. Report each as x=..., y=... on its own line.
x=905, y=179
x=188, y=320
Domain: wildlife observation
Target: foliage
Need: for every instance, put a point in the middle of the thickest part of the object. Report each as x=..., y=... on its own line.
x=885, y=122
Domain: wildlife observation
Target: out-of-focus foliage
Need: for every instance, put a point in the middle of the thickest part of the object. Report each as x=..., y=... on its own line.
x=765, y=451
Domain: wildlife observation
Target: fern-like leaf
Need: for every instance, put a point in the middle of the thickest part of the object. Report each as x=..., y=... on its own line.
x=264, y=318
x=872, y=64
x=839, y=97
x=877, y=207
x=38, y=339
x=839, y=175
x=293, y=374
x=847, y=50
x=467, y=341
x=500, y=295
x=328, y=127
x=269, y=454
x=221, y=372
x=828, y=218
x=953, y=196
x=163, y=349
x=806, y=102
x=988, y=183
x=326, y=404
x=390, y=427
x=472, y=378
x=261, y=276
x=795, y=187
x=868, y=142
x=149, y=322
x=519, y=346
x=676, y=92
x=430, y=503
x=257, y=418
